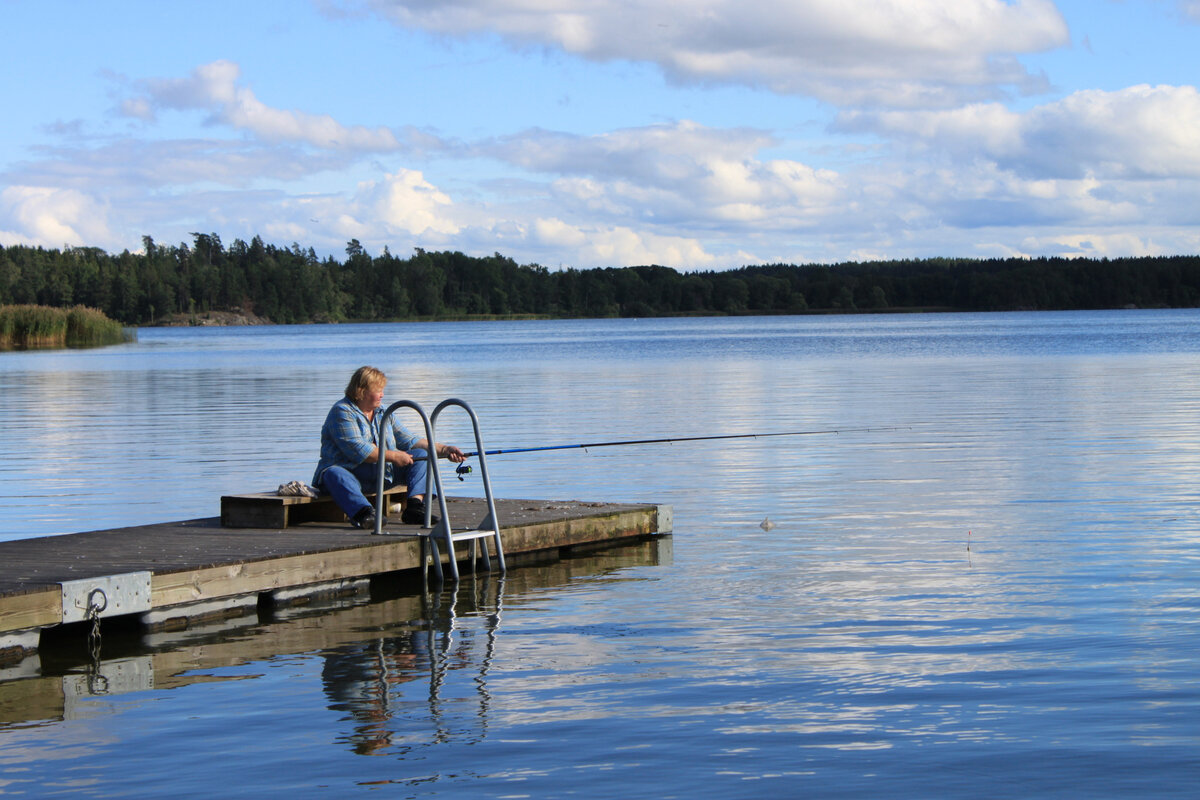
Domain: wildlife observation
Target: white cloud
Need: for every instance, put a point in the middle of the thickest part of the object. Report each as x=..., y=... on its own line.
x=137, y=108
x=980, y=209
x=1139, y=132
x=1099, y=172
x=899, y=53
x=176, y=163
x=54, y=217
x=618, y=246
x=1096, y=245
x=682, y=174
x=405, y=201
x=214, y=88
x=1142, y=131
x=399, y=209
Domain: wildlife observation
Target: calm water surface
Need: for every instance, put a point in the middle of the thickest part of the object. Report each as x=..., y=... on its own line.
x=998, y=598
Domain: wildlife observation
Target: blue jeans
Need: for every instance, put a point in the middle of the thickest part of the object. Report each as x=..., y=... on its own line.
x=347, y=485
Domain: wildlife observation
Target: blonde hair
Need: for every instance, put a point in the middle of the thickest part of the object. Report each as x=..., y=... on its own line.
x=364, y=379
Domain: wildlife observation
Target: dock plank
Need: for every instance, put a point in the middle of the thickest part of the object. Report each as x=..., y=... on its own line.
x=199, y=560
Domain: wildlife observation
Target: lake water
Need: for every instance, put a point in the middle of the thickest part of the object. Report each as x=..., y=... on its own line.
x=996, y=597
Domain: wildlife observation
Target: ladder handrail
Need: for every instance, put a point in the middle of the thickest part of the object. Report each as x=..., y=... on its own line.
x=430, y=476
x=491, y=521
x=433, y=487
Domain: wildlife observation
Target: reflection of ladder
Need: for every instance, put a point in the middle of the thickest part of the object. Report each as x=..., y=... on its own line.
x=445, y=653
x=487, y=528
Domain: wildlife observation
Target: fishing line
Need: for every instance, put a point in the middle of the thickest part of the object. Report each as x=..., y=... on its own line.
x=671, y=440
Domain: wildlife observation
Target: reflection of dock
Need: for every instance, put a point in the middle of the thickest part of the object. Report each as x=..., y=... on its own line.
x=377, y=646
x=176, y=574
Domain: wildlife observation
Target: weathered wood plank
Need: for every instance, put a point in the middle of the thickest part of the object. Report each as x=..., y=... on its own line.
x=271, y=510
x=35, y=609
x=197, y=561
x=189, y=586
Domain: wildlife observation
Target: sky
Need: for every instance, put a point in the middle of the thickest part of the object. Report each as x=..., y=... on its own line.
x=695, y=134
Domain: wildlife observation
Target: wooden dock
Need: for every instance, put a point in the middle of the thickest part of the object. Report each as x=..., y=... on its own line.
x=423, y=632
x=176, y=574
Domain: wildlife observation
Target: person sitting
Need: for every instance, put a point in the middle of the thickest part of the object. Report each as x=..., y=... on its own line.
x=352, y=444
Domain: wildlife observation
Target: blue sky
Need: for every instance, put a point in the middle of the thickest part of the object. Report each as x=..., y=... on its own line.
x=698, y=134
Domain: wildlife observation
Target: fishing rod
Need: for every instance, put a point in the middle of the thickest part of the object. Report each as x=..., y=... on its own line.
x=671, y=440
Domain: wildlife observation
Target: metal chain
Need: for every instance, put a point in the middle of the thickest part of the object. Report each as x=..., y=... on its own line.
x=97, y=602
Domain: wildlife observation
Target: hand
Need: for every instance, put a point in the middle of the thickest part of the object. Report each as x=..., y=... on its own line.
x=399, y=458
x=452, y=453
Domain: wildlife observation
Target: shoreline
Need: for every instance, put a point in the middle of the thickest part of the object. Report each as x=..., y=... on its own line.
x=238, y=318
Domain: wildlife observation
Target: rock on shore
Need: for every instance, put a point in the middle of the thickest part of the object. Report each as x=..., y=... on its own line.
x=235, y=317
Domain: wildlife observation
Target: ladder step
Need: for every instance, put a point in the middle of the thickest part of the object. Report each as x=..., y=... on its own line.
x=464, y=536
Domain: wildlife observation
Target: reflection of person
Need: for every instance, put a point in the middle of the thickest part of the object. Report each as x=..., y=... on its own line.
x=351, y=446
x=360, y=680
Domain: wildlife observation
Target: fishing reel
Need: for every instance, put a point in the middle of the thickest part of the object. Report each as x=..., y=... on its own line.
x=462, y=471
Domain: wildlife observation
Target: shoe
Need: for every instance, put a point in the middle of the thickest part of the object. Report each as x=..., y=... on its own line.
x=364, y=519
x=414, y=514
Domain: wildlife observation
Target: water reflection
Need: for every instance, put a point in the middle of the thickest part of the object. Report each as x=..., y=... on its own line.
x=858, y=648
x=403, y=670
x=369, y=681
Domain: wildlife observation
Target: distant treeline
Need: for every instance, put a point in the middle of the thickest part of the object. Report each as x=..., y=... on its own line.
x=290, y=284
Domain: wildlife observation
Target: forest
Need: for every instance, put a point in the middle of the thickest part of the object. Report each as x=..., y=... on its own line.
x=292, y=285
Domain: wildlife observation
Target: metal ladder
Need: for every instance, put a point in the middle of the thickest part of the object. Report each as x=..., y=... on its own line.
x=488, y=527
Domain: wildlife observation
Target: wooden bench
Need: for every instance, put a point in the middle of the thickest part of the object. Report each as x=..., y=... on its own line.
x=271, y=510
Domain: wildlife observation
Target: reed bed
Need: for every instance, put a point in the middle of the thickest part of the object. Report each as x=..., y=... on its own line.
x=28, y=326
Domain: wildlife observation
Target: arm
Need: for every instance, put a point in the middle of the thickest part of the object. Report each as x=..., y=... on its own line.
x=402, y=459
x=446, y=451
x=397, y=457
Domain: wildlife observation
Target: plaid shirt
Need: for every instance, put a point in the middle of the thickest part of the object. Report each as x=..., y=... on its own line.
x=348, y=437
